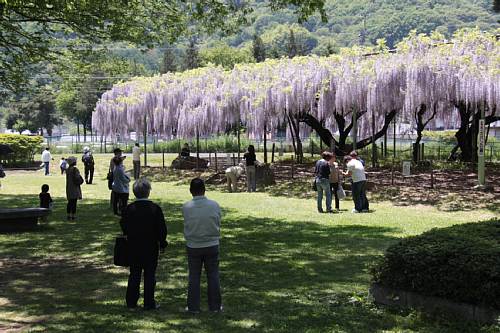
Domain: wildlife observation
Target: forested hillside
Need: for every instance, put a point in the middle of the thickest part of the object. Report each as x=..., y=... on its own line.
x=349, y=22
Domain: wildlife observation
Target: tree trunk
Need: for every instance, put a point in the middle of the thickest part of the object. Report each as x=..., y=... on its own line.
x=341, y=147
x=78, y=131
x=293, y=134
x=85, y=131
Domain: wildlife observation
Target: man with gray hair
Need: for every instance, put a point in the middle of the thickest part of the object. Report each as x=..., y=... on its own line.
x=144, y=225
x=202, y=232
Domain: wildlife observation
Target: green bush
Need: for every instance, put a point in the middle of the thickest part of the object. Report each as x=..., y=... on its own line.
x=24, y=146
x=460, y=263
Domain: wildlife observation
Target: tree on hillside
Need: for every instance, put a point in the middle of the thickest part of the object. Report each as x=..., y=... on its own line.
x=258, y=49
x=292, y=45
x=168, y=63
x=223, y=55
x=191, y=59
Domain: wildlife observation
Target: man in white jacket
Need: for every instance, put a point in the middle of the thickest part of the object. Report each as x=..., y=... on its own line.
x=46, y=158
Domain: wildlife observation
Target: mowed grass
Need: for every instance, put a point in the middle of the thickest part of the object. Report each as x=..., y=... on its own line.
x=284, y=267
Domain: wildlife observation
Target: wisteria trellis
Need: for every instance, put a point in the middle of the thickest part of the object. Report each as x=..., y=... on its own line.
x=206, y=100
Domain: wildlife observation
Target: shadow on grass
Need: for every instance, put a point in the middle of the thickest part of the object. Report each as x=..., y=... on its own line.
x=276, y=276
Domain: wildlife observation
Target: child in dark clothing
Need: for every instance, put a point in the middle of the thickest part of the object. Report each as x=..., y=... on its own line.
x=45, y=199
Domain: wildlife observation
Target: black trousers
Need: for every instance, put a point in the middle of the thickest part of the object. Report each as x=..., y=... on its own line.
x=197, y=258
x=134, y=282
x=71, y=206
x=120, y=201
x=334, y=187
x=89, y=174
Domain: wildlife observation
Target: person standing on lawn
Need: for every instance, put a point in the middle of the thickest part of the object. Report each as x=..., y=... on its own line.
x=136, y=160
x=322, y=179
x=46, y=158
x=202, y=219
x=117, y=152
x=144, y=225
x=120, y=186
x=88, y=165
x=335, y=180
x=63, y=165
x=250, y=160
x=73, y=190
x=356, y=171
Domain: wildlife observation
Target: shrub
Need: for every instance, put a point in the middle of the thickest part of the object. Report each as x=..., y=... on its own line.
x=460, y=263
x=24, y=146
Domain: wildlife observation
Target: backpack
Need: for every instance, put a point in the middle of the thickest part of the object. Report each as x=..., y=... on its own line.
x=88, y=159
x=2, y=173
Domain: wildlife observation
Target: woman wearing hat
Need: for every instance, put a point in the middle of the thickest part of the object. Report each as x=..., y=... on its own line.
x=73, y=190
x=120, y=185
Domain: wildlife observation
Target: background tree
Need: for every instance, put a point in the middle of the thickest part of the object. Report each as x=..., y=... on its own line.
x=191, y=59
x=258, y=49
x=169, y=61
x=292, y=45
x=225, y=56
x=34, y=111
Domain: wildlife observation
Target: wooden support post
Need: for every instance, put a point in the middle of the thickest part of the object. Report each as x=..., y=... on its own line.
x=311, y=146
x=374, y=145
x=216, y=162
x=163, y=157
x=234, y=160
x=293, y=164
x=385, y=144
x=394, y=141
x=354, y=128
x=432, y=175
x=392, y=173
x=210, y=158
x=265, y=142
x=272, y=155
x=197, y=149
x=145, y=134
x=239, y=141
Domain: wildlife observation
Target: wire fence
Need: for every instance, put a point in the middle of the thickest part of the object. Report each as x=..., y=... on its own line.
x=399, y=149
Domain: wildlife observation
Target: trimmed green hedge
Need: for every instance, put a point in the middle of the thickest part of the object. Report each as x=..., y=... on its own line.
x=459, y=263
x=24, y=146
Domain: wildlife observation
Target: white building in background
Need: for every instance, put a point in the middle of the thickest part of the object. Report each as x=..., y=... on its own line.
x=495, y=129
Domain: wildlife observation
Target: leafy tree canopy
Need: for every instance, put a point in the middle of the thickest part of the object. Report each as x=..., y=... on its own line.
x=31, y=31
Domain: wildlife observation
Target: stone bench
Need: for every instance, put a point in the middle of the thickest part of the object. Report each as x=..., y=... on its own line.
x=16, y=219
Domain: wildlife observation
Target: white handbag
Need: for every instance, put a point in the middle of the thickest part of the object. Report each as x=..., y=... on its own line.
x=340, y=192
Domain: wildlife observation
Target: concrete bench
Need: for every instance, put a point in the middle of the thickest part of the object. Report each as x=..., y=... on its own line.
x=16, y=219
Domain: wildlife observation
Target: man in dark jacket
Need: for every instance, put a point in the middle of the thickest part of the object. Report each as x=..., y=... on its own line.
x=88, y=164
x=144, y=225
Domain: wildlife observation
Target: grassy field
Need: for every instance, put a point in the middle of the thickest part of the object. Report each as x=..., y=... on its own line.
x=284, y=267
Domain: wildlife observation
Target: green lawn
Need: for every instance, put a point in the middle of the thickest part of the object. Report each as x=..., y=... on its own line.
x=284, y=267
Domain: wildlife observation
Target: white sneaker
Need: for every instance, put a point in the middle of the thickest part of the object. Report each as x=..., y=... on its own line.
x=354, y=211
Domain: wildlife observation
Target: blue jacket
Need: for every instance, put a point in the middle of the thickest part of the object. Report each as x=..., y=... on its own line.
x=120, y=180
